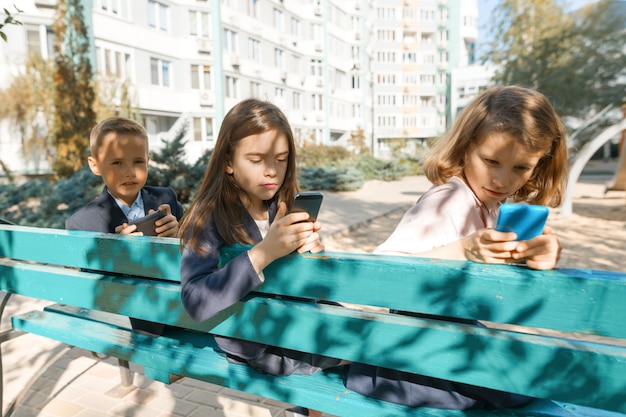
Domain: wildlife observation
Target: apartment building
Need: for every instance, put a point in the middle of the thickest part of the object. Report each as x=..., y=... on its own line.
x=336, y=67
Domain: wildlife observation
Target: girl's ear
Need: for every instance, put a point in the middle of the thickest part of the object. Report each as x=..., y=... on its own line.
x=229, y=169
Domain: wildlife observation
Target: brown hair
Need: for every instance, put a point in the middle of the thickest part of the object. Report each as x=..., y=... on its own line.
x=219, y=196
x=117, y=124
x=528, y=116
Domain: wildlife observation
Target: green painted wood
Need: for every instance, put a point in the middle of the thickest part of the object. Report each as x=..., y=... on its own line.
x=499, y=293
x=191, y=355
x=137, y=255
x=584, y=372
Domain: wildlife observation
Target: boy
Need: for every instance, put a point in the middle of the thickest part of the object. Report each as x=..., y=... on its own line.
x=119, y=154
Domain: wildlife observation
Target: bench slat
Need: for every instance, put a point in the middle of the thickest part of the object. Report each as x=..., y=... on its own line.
x=498, y=293
x=158, y=257
x=195, y=356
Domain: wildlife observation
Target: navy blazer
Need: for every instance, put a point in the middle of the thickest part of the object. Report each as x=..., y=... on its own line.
x=207, y=289
x=102, y=214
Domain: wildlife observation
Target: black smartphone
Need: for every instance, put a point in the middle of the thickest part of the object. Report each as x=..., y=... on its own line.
x=527, y=221
x=146, y=224
x=309, y=201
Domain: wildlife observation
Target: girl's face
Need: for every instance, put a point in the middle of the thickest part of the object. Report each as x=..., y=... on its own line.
x=497, y=166
x=258, y=166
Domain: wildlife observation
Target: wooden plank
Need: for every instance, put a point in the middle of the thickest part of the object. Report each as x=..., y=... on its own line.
x=498, y=293
x=539, y=366
x=135, y=255
x=190, y=357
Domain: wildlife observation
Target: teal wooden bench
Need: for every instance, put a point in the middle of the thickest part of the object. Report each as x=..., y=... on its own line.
x=571, y=353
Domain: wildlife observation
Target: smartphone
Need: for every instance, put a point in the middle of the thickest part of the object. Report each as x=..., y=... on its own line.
x=309, y=201
x=146, y=224
x=527, y=221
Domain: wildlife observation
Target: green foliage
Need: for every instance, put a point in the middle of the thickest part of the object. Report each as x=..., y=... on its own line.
x=28, y=103
x=372, y=168
x=170, y=169
x=577, y=60
x=321, y=155
x=330, y=178
x=43, y=203
x=9, y=19
x=74, y=99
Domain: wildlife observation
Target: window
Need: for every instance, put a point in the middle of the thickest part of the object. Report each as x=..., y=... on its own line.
x=316, y=67
x=201, y=77
x=279, y=58
x=252, y=8
x=199, y=24
x=255, y=89
x=202, y=129
x=158, y=15
x=278, y=20
x=33, y=41
x=317, y=102
x=230, y=40
x=356, y=82
x=160, y=72
x=254, y=49
x=297, y=100
x=114, y=7
x=295, y=27
x=231, y=87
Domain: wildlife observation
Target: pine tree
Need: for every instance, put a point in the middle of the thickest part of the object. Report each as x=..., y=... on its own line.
x=74, y=98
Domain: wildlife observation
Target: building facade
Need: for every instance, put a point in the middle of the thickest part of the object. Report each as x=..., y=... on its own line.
x=378, y=69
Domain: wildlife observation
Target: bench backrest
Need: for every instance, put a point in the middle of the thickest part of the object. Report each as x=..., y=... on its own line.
x=138, y=277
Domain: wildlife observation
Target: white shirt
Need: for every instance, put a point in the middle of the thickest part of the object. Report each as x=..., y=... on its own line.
x=444, y=214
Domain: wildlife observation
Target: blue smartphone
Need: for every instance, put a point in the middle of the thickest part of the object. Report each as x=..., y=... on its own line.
x=527, y=221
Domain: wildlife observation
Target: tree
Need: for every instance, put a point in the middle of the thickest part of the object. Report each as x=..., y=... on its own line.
x=29, y=103
x=575, y=59
x=74, y=98
x=9, y=19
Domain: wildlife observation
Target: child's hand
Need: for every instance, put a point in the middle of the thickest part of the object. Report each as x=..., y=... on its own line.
x=126, y=229
x=166, y=226
x=541, y=252
x=287, y=233
x=313, y=243
x=490, y=246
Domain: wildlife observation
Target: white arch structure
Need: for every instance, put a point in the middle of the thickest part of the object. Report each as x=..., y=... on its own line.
x=584, y=155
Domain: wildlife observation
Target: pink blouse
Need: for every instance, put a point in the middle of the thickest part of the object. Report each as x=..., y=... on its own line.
x=444, y=214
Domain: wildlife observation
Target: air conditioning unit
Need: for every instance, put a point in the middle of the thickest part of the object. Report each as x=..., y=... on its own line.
x=318, y=47
x=318, y=11
x=205, y=46
x=283, y=75
x=357, y=36
x=234, y=61
x=206, y=98
x=319, y=82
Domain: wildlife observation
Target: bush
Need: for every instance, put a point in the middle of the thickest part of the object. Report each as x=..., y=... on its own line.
x=322, y=156
x=330, y=178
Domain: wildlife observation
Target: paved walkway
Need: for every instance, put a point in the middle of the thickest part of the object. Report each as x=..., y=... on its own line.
x=74, y=384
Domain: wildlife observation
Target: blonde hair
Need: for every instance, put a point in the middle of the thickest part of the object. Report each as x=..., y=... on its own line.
x=117, y=124
x=526, y=115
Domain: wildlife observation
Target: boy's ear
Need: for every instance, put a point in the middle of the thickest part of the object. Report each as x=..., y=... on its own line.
x=93, y=165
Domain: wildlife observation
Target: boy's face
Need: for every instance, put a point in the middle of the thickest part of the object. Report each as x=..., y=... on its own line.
x=122, y=162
